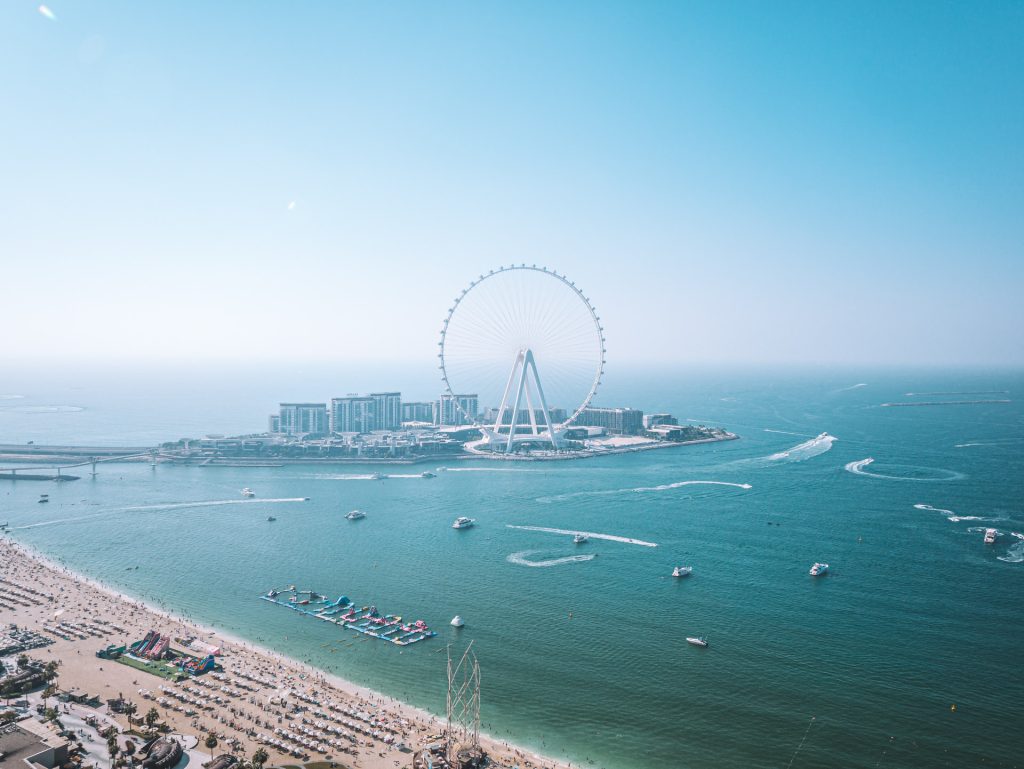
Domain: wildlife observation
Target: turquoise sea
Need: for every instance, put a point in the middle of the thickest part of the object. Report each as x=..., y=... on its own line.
x=582, y=648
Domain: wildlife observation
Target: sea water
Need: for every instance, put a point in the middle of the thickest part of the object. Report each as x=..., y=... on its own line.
x=582, y=647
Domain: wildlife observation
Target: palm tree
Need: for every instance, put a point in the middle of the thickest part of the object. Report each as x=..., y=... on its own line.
x=129, y=750
x=22, y=660
x=259, y=758
x=50, y=670
x=152, y=717
x=112, y=748
x=211, y=743
x=130, y=709
x=48, y=692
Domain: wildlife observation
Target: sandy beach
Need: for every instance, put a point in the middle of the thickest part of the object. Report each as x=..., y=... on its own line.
x=256, y=693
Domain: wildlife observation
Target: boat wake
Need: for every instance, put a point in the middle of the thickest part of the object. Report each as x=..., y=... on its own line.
x=57, y=521
x=213, y=503
x=785, y=432
x=852, y=387
x=805, y=450
x=590, y=534
x=641, y=490
x=913, y=473
x=491, y=470
x=42, y=409
x=521, y=559
x=951, y=516
x=1016, y=552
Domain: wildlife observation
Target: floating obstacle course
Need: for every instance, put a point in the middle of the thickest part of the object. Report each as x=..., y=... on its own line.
x=344, y=613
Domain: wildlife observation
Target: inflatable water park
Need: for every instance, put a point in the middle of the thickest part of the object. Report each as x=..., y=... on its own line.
x=344, y=613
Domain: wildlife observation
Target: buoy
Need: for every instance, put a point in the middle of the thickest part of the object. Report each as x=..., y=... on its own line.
x=953, y=707
x=457, y=621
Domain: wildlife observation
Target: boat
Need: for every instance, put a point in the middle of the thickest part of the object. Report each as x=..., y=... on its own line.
x=355, y=515
x=427, y=474
x=376, y=477
x=271, y=518
x=697, y=641
x=819, y=569
x=462, y=522
x=44, y=498
x=579, y=538
x=682, y=571
x=457, y=621
x=247, y=492
x=990, y=536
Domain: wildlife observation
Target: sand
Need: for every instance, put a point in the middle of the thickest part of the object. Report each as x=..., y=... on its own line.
x=258, y=681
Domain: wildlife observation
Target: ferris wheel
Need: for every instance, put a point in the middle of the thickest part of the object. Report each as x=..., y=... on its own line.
x=527, y=343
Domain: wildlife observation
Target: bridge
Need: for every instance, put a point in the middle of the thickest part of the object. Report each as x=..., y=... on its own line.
x=90, y=456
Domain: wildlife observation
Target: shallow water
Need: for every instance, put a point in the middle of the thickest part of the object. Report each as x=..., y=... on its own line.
x=587, y=657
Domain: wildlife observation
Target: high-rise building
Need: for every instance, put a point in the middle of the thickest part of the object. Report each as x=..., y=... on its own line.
x=353, y=414
x=619, y=420
x=447, y=413
x=302, y=418
x=274, y=423
x=387, y=409
x=418, y=411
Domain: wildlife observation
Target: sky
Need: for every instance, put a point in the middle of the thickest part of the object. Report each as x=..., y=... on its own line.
x=729, y=183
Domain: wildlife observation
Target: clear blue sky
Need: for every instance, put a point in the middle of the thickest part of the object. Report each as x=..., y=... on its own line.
x=733, y=182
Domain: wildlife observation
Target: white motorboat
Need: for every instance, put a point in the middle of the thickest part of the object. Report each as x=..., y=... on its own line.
x=990, y=536
x=457, y=621
x=579, y=538
x=247, y=492
x=697, y=641
x=376, y=477
x=355, y=515
x=819, y=570
x=682, y=571
x=462, y=522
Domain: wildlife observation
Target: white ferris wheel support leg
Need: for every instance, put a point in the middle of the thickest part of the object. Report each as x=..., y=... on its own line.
x=543, y=401
x=508, y=389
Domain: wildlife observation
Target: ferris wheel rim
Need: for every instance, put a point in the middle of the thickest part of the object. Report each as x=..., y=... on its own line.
x=599, y=374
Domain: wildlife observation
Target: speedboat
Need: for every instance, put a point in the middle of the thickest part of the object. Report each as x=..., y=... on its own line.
x=273, y=593
x=457, y=621
x=427, y=474
x=376, y=477
x=355, y=515
x=990, y=536
x=682, y=571
x=819, y=569
x=697, y=641
x=271, y=518
x=462, y=522
x=247, y=492
x=579, y=538
x=44, y=498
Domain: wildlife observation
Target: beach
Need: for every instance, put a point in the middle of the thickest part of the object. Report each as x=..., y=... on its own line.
x=256, y=692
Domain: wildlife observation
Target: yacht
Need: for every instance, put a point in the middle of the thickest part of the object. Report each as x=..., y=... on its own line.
x=697, y=641
x=462, y=522
x=44, y=498
x=427, y=474
x=682, y=571
x=579, y=538
x=457, y=621
x=819, y=569
x=247, y=492
x=355, y=515
x=990, y=536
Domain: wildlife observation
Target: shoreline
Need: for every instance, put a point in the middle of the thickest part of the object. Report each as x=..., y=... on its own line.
x=503, y=752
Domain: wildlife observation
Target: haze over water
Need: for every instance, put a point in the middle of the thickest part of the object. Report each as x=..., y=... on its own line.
x=586, y=656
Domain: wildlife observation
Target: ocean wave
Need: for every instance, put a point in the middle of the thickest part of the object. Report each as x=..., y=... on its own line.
x=938, y=474
x=520, y=559
x=641, y=490
x=812, y=448
x=42, y=409
x=590, y=534
x=212, y=503
x=1016, y=552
